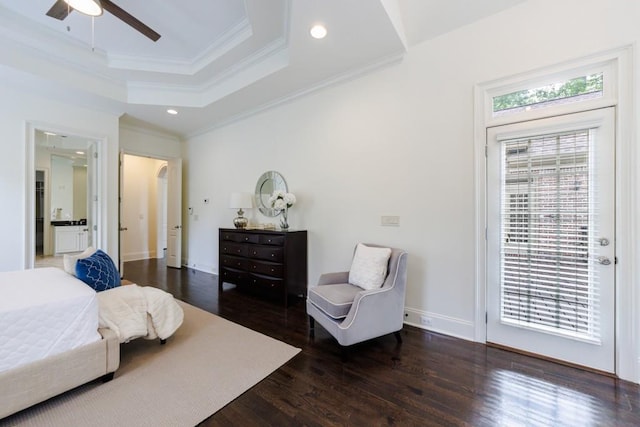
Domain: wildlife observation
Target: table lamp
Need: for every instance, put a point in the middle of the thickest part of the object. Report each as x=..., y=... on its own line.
x=240, y=201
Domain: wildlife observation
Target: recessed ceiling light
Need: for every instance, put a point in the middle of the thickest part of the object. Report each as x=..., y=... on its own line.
x=318, y=31
x=172, y=111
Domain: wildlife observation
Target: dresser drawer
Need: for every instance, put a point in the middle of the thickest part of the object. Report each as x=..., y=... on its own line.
x=266, y=239
x=235, y=277
x=235, y=262
x=238, y=249
x=264, y=283
x=268, y=268
x=230, y=236
x=269, y=253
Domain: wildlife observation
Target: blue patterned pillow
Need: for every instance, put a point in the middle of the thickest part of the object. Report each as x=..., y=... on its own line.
x=98, y=271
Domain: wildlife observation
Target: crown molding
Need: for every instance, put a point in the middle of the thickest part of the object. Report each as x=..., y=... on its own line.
x=334, y=81
x=238, y=34
x=271, y=58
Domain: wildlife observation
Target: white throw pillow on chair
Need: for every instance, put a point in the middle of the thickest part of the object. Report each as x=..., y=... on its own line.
x=369, y=266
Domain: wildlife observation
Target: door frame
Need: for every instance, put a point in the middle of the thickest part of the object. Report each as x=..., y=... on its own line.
x=619, y=65
x=121, y=154
x=46, y=230
x=30, y=200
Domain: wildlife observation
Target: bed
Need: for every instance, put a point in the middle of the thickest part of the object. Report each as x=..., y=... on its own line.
x=50, y=341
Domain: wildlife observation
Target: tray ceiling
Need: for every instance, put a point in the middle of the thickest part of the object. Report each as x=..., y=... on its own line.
x=217, y=60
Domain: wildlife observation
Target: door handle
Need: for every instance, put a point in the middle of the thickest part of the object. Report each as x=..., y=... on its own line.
x=604, y=260
x=123, y=228
x=177, y=227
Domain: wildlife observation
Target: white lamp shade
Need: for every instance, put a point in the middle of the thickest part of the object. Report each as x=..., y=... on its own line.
x=241, y=201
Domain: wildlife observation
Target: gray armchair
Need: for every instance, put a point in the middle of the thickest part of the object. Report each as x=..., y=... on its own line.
x=352, y=314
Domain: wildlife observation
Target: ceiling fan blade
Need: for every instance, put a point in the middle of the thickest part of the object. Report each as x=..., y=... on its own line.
x=125, y=17
x=59, y=10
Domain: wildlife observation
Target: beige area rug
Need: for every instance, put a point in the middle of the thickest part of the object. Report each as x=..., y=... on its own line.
x=206, y=364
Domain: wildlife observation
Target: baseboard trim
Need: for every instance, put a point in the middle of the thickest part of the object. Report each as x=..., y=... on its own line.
x=205, y=268
x=434, y=322
x=137, y=256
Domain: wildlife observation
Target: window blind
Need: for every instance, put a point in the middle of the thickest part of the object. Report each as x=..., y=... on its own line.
x=547, y=279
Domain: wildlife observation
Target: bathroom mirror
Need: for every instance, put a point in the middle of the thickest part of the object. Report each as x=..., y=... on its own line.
x=268, y=183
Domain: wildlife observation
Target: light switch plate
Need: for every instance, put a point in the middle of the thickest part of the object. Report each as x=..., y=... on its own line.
x=390, y=220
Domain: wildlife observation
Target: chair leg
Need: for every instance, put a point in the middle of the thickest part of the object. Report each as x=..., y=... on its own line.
x=344, y=353
x=398, y=337
x=312, y=327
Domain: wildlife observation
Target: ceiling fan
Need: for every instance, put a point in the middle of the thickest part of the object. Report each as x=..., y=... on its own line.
x=61, y=9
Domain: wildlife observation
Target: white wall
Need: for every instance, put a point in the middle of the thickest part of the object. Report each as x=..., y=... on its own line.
x=396, y=142
x=140, y=207
x=18, y=108
x=143, y=141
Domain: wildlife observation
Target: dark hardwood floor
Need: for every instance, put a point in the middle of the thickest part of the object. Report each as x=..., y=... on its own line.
x=428, y=380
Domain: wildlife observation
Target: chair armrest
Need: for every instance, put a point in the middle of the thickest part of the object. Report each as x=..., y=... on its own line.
x=333, y=278
x=376, y=311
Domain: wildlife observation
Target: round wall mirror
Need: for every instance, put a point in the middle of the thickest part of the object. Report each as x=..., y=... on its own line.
x=268, y=183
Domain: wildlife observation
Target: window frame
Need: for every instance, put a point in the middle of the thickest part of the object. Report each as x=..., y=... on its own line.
x=545, y=77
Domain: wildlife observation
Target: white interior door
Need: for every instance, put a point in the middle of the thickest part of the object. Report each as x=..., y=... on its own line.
x=174, y=213
x=121, y=227
x=550, y=237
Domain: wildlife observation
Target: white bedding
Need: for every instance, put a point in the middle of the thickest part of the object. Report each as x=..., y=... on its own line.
x=133, y=311
x=43, y=312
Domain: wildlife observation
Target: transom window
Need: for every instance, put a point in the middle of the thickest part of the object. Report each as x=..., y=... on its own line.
x=577, y=89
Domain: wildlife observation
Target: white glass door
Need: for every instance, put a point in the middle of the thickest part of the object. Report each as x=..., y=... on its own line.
x=550, y=238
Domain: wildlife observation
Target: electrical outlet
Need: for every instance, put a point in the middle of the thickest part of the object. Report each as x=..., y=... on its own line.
x=426, y=321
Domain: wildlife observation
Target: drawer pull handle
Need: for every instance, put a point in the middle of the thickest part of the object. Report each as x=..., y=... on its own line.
x=273, y=254
x=269, y=240
x=272, y=270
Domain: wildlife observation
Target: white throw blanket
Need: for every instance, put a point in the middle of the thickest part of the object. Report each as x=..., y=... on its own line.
x=133, y=311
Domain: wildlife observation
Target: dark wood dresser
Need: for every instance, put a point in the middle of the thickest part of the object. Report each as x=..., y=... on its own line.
x=272, y=263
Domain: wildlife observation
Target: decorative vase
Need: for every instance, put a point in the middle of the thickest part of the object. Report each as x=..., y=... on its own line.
x=283, y=221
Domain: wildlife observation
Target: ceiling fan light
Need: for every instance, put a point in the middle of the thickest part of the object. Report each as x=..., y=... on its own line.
x=88, y=7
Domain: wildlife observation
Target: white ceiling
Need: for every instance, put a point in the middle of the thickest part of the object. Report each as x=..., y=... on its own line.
x=217, y=60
